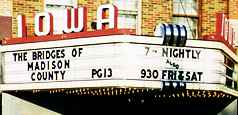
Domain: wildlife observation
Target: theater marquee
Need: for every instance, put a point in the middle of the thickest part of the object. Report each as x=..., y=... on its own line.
x=114, y=61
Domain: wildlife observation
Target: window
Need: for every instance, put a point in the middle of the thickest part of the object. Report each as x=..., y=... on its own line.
x=230, y=73
x=56, y=7
x=128, y=13
x=185, y=12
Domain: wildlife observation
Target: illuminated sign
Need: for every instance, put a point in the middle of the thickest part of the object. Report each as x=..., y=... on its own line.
x=114, y=61
x=224, y=31
x=76, y=21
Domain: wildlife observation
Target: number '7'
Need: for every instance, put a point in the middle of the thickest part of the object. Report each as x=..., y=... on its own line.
x=148, y=49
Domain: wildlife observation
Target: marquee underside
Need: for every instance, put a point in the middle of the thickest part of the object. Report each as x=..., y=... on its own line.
x=82, y=100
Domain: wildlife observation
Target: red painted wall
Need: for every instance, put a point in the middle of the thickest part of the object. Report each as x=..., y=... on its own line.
x=5, y=27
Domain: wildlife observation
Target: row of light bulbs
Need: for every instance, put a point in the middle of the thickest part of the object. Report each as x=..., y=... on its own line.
x=128, y=91
x=104, y=91
x=196, y=94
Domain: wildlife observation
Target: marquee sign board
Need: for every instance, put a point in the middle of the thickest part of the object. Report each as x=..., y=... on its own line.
x=114, y=61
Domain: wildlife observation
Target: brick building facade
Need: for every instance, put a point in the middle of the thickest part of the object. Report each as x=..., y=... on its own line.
x=149, y=13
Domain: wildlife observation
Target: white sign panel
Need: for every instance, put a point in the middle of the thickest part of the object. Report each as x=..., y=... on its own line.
x=118, y=61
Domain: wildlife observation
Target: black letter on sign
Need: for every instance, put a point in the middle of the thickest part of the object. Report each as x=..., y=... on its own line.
x=77, y=52
x=30, y=66
x=164, y=73
x=32, y=78
x=94, y=72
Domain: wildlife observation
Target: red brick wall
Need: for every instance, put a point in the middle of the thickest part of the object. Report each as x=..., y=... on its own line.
x=29, y=8
x=233, y=8
x=161, y=11
x=208, y=11
x=155, y=12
